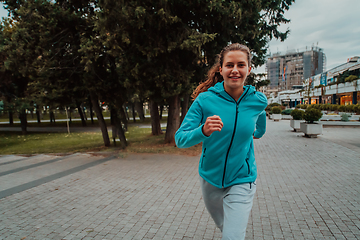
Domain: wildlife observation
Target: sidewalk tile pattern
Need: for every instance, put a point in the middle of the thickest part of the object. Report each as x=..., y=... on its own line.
x=306, y=189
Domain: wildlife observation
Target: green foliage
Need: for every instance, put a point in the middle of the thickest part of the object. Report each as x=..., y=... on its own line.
x=312, y=114
x=58, y=52
x=357, y=108
x=342, y=108
x=316, y=106
x=268, y=108
x=345, y=117
x=297, y=114
x=350, y=107
x=302, y=106
x=12, y=143
x=286, y=111
x=351, y=78
x=276, y=110
x=334, y=107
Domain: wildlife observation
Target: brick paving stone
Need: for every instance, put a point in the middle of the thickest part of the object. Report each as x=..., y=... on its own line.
x=306, y=189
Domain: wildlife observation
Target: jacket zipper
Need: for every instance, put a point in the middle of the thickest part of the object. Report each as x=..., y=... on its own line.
x=232, y=138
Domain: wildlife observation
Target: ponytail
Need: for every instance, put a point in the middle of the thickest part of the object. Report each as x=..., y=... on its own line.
x=213, y=77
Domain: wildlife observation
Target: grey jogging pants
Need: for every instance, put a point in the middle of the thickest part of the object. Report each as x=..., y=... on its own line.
x=229, y=207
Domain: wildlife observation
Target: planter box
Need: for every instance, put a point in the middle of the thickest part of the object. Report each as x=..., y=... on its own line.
x=276, y=117
x=330, y=118
x=286, y=117
x=295, y=124
x=311, y=129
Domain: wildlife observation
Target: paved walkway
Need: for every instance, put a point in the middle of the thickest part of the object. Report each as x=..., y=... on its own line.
x=306, y=189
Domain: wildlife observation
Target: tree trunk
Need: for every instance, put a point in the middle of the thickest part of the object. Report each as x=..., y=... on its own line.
x=83, y=110
x=113, y=126
x=120, y=133
x=126, y=113
x=161, y=110
x=184, y=107
x=123, y=119
x=133, y=111
x=117, y=128
x=83, y=121
x=173, y=120
x=140, y=110
x=11, y=117
x=52, y=116
x=23, y=122
x=100, y=117
x=91, y=111
x=38, y=114
x=155, y=119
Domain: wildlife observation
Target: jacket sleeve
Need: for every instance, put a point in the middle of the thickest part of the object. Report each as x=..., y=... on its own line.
x=190, y=132
x=260, y=125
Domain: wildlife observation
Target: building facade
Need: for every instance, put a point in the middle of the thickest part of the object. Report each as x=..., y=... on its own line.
x=291, y=69
x=324, y=88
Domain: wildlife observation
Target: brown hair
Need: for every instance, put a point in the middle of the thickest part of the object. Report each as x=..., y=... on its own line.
x=213, y=75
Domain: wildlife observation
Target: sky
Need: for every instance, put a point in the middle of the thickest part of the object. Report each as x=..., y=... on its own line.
x=332, y=25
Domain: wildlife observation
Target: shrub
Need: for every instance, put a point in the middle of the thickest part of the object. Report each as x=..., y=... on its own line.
x=276, y=110
x=350, y=108
x=351, y=78
x=297, y=114
x=357, y=108
x=312, y=114
x=268, y=108
x=341, y=108
x=274, y=104
x=302, y=106
x=286, y=111
x=334, y=107
x=345, y=117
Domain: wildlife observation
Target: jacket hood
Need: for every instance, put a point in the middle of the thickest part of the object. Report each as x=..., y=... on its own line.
x=218, y=88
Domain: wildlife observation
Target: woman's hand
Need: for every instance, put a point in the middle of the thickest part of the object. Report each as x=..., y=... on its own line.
x=211, y=125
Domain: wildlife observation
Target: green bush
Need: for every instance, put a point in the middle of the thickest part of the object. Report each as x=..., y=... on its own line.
x=351, y=78
x=334, y=107
x=350, y=108
x=325, y=107
x=274, y=104
x=268, y=108
x=312, y=114
x=316, y=106
x=276, y=110
x=345, y=117
x=341, y=108
x=286, y=111
x=302, y=106
x=297, y=114
x=357, y=108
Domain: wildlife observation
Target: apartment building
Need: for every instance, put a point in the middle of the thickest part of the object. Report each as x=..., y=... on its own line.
x=288, y=71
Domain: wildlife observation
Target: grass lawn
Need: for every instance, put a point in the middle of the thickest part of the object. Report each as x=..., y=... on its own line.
x=15, y=143
x=140, y=140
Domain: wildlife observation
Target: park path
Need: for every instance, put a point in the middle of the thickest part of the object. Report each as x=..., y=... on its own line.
x=306, y=189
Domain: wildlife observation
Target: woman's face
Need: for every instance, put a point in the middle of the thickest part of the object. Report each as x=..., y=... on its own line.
x=235, y=69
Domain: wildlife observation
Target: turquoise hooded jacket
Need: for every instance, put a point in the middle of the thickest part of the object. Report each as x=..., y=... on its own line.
x=227, y=156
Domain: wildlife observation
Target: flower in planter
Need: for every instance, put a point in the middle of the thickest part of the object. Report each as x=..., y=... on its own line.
x=312, y=114
x=297, y=114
